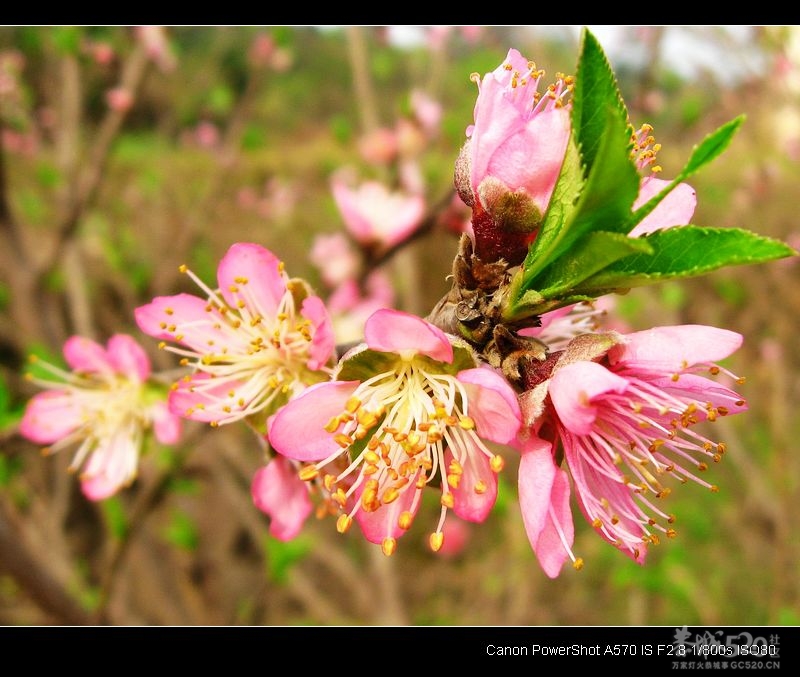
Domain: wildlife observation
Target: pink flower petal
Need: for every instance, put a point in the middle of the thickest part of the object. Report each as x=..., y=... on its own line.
x=676, y=209
x=572, y=389
x=265, y=284
x=324, y=340
x=50, y=416
x=472, y=505
x=128, y=357
x=704, y=389
x=166, y=426
x=375, y=215
x=540, y=144
x=98, y=487
x=280, y=493
x=346, y=200
x=83, y=354
x=298, y=429
x=112, y=465
x=189, y=320
x=383, y=522
x=544, y=501
x=493, y=404
x=673, y=348
x=393, y=331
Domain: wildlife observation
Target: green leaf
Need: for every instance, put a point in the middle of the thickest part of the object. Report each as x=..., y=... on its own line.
x=603, y=138
x=703, y=153
x=182, y=532
x=588, y=256
x=596, y=98
x=115, y=518
x=562, y=203
x=281, y=556
x=687, y=251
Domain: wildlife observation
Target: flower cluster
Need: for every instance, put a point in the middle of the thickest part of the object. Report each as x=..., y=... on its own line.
x=513, y=363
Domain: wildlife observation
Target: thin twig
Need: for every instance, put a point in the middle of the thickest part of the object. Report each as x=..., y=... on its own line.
x=34, y=577
x=133, y=73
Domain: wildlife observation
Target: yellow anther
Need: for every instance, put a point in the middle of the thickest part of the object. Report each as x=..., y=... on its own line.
x=480, y=487
x=343, y=440
x=391, y=494
x=405, y=520
x=182, y=268
x=671, y=533
x=453, y=480
x=436, y=541
x=388, y=546
x=455, y=468
x=466, y=423
x=343, y=523
x=497, y=463
x=309, y=472
x=448, y=500
x=169, y=311
x=578, y=564
x=597, y=523
x=366, y=418
x=352, y=404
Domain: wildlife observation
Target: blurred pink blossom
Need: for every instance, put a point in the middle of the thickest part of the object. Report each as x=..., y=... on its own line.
x=334, y=256
x=119, y=99
x=156, y=43
x=378, y=147
x=375, y=215
x=106, y=405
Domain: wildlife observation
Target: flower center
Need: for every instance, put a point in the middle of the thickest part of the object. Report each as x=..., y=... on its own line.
x=252, y=356
x=106, y=405
x=650, y=432
x=394, y=431
x=645, y=149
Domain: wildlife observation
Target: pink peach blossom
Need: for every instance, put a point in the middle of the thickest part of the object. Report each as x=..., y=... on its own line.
x=376, y=216
x=107, y=405
x=280, y=493
x=520, y=135
x=624, y=422
x=255, y=341
x=409, y=408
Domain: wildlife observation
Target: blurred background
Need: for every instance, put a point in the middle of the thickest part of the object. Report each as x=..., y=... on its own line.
x=127, y=151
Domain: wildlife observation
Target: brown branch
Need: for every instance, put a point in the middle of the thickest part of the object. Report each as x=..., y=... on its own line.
x=7, y=223
x=133, y=73
x=152, y=496
x=35, y=578
x=189, y=228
